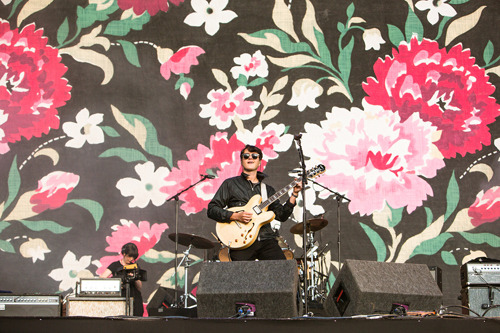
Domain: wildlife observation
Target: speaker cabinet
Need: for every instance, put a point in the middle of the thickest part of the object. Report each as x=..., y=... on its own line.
x=269, y=285
x=368, y=287
x=98, y=306
x=483, y=301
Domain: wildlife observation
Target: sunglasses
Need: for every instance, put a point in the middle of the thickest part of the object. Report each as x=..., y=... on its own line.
x=246, y=156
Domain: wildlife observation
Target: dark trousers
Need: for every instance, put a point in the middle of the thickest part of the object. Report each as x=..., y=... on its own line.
x=268, y=249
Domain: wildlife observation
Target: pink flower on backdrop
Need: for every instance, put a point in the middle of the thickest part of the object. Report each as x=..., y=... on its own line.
x=374, y=158
x=224, y=106
x=486, y=208
x=181, y=61
x=444, y=87
x=53, y=190
x=32, y=86
x=271, y=139
x=222, y=159
x=216, y=159
x=144, y=235
x=151, y=6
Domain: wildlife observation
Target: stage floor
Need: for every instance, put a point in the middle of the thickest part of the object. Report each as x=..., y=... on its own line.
x=251, y=325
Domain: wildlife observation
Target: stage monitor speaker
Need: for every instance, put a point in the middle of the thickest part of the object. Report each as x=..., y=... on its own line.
x=483, y=301
x=369, y=287
x=269, y=285
x=30, y=305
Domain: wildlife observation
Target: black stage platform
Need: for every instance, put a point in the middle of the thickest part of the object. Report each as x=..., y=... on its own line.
x=253, y=325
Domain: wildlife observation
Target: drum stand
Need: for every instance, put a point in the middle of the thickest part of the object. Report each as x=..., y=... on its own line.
x=186, y=295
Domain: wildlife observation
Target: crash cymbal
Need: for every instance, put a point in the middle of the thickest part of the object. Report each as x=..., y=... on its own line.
x=190, y=239
x=314, y=225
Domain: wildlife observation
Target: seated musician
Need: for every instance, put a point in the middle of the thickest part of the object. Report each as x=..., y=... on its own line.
x=130, y=253
x=236, y=192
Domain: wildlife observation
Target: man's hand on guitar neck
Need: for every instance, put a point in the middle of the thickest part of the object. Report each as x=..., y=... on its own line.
x=242, y=216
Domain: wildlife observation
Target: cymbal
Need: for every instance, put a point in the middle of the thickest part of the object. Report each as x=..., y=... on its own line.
x=314, y=225
x=190, y=239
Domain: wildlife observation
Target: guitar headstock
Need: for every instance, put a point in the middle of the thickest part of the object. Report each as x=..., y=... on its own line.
x=316, y=171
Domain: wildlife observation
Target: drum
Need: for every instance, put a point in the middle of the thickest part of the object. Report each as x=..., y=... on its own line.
x=224, y=254
x=285, y=248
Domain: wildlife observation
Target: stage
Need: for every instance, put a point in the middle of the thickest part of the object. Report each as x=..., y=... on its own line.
x=312, y=324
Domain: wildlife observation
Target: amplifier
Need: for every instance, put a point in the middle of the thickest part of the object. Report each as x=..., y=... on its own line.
x=480, y=273
x=30, y=305
x=99, y=287
x=98, y=307
x=483, y=301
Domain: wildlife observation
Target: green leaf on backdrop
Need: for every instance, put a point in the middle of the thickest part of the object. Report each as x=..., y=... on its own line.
x=110, y=131
x=51, y=226
x=488, y=52
x=429, y=215
x=448, y=258
x=452, y=196
x=161, y=258
x=3, y=225
x=257, y=82
x=431, y=246
x=123, y=27
x=13, y=183
x=151, y=144
x=350, y=11
x=126, y=154
x=6, y=246
x=63, y=31
x=413, y=26
x=261, y=38
x=395, y=35
x=345, y=62
x=93, y=207
x=482, y=238
x=396, y=216
x=89, y=15
x=377, y=242
x=130, y=51
x=324, y=51
x=443, y=22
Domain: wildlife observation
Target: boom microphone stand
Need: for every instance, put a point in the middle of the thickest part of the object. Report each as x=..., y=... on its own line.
x=339, y=197
x=176, y=197
x=304, y=220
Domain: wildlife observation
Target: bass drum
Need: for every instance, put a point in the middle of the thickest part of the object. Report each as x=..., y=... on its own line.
x=224, y=255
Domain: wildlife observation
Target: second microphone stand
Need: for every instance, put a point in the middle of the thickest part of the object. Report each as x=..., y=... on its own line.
x=176, y=198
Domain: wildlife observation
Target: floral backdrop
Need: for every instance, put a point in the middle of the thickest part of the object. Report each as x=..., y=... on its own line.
x=109, y=108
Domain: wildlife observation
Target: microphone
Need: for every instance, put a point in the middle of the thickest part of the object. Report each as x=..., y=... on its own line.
x=297, y=137
x=208, y=176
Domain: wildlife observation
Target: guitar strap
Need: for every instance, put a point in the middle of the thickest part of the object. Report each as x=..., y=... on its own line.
x=263, y=191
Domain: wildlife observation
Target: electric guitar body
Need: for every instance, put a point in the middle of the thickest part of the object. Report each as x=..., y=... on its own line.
x=237, y=235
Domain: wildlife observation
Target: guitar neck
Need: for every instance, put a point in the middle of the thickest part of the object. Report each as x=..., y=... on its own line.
x=279, y=194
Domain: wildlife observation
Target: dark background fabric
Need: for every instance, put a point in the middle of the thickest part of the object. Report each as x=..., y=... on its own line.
x=78, y=233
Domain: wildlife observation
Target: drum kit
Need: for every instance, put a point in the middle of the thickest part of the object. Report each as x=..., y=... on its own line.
x=313, y=262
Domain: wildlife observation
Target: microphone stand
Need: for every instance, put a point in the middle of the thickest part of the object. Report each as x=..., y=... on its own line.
x=339, y=197
x=304, y=220
x=176, y=198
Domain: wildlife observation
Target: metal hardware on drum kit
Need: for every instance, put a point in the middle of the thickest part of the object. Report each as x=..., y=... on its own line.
x=190, y=241
x=316, y=290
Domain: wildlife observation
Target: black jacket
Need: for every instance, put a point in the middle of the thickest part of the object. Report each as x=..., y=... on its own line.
x=236, y=192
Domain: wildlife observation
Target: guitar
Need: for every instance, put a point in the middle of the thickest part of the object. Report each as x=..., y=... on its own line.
x=237, y=235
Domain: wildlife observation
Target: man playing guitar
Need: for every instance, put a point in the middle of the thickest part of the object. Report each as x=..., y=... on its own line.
x=227, y=208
